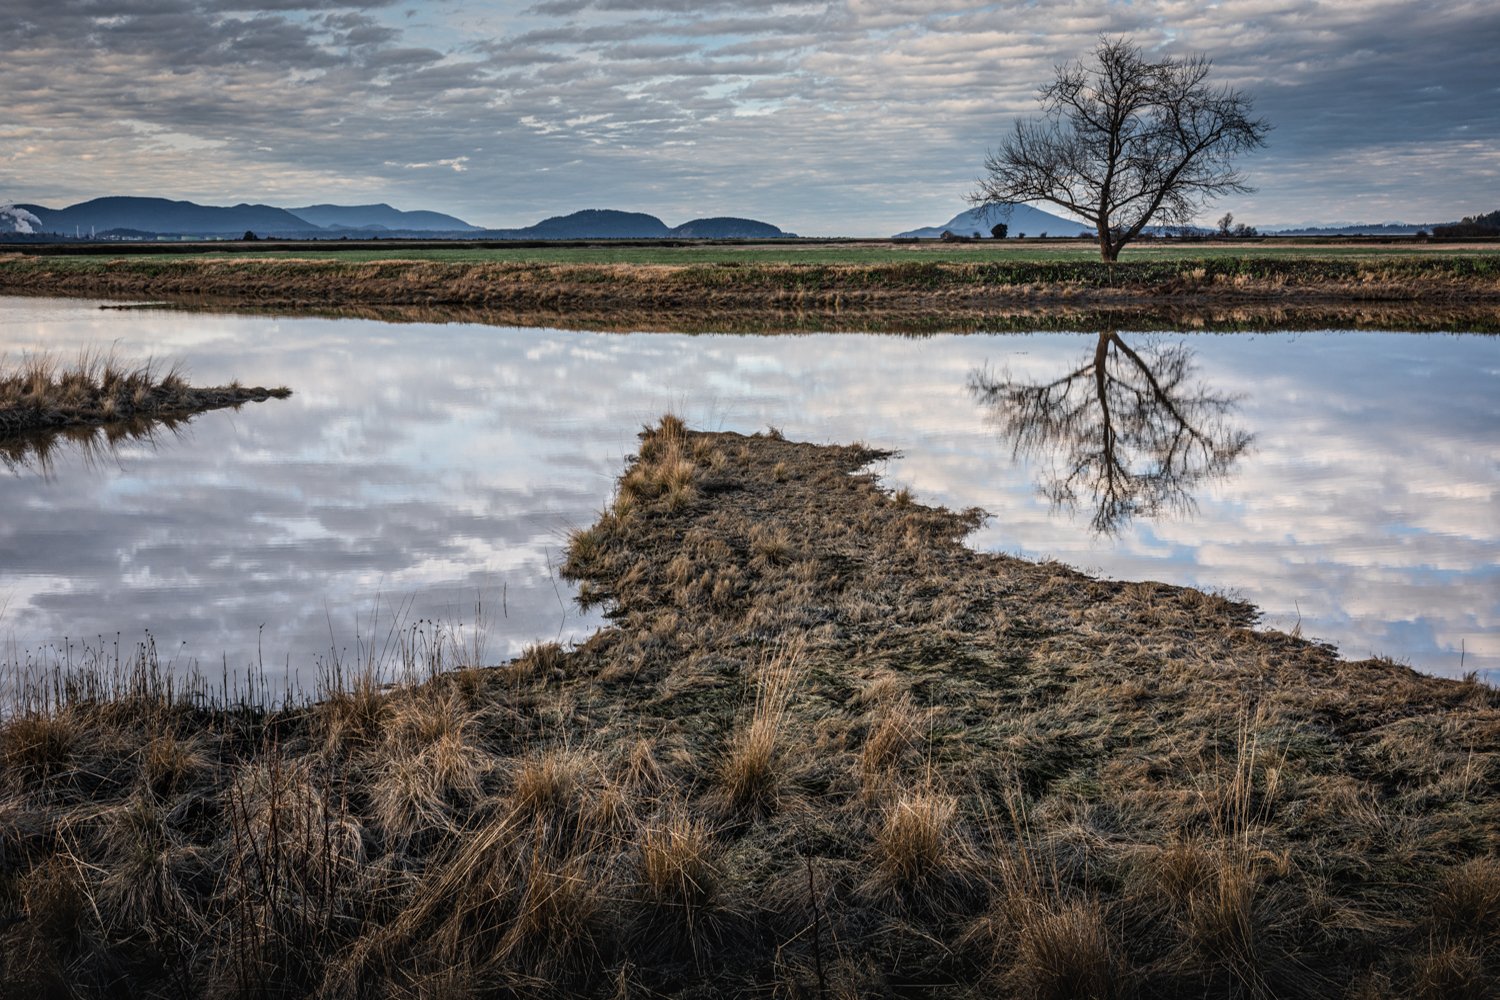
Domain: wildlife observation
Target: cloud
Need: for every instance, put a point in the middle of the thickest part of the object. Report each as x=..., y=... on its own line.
x=457, y=164
x=18, y=220
x=838, y=117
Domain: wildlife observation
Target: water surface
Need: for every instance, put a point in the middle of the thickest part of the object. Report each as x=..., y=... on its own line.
x=1351, y=487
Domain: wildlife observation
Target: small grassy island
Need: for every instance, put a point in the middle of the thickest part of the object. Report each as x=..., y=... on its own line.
x=824, y=749
x=40, y=394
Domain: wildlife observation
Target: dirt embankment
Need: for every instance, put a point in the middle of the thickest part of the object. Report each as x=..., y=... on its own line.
x=824, y=749
x=917, y=285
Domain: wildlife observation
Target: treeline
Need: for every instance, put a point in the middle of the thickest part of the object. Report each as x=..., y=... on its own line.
x=1473, y=225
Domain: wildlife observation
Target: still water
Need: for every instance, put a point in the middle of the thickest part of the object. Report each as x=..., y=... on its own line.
x=1346, y=482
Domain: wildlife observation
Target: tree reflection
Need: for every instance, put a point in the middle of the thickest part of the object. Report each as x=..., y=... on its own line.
x=1134, y=432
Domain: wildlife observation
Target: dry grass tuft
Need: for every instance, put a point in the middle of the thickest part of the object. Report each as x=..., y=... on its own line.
x=752, y=772
x=170, y=765
x=678, y=869
x=34, y=748
x=1467, y=902
x=418, y=795
x=1451, y=972
x=550, y=784
x=915, y=843
x=772, y=545
x=353, y=716
x=541, y=661
x=897, y=730
x=1064, y=951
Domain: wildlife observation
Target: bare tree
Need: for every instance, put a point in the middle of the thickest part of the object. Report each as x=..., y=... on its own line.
x=1132, y=430
x=1125, y=142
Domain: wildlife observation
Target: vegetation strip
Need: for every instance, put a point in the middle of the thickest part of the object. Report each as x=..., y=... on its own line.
x=39, y=395
x=1214, y=318
x=909, y=284
x=824, y=749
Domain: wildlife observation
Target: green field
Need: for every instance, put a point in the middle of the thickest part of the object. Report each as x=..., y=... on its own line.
x=828, y=253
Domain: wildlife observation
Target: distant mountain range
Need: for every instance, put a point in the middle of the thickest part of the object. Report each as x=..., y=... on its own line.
x=145, y=218
x=1020, y=220
x=377, y=217
x=1356, y=229
x=603, y=223
x=1025, y=220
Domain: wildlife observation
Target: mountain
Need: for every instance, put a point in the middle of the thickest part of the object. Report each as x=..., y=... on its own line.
x=608, y=224
x=726, y=228
x=380, y=216
x=158, y=215
x=589, y=224
x=1020, y=218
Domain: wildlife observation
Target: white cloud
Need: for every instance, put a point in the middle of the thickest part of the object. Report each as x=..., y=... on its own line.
x=851, y=116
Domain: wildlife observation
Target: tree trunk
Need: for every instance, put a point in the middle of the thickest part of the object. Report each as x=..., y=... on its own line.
x=1108, y=249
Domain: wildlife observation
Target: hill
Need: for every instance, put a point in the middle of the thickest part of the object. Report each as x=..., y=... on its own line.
x=159, y=215
x=1022, y=219
x=609, y=224
x=591, y=223
x=727, y=228
x=381, y=216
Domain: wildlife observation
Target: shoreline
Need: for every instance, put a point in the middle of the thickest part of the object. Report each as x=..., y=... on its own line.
x=823, y=746
x=859, y=289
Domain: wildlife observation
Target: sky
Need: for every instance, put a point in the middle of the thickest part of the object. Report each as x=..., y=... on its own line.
x=849, y=117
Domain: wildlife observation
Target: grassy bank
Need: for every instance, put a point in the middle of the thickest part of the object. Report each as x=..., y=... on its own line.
x=824, y=749
x=1419, y=317
x=40, y=394
x=912, y=282
x=771, y=252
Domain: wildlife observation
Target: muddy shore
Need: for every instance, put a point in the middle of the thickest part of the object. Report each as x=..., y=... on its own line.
x=823, y=749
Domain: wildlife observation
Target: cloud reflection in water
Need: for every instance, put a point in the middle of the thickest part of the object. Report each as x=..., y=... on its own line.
x=432, y=463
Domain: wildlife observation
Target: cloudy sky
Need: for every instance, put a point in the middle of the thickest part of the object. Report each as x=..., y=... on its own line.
x=840, y=117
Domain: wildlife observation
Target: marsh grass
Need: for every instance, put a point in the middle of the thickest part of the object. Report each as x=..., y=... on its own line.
x=99, y=401
x=912, y=769
x=836, y=284
x=754, y=770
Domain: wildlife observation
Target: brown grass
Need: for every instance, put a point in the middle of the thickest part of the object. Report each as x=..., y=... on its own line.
x=41, y=399
x=910, y=286
x=823, y=750
x=753, y=770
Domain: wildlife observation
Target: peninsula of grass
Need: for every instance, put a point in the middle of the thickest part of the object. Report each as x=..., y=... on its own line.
x=824, y=749
x=851, y=282
x=40, y=394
